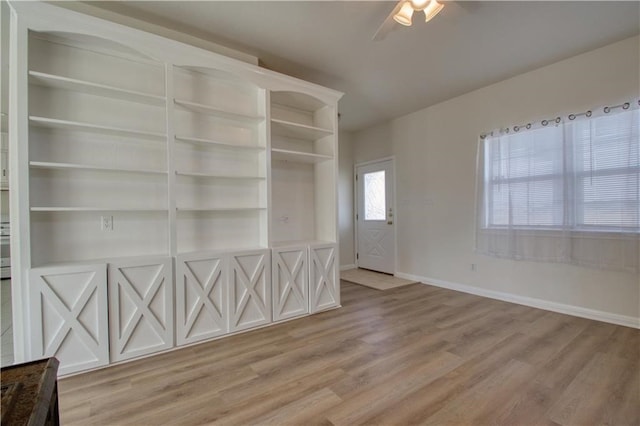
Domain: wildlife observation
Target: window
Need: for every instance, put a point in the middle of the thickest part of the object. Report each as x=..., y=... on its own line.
x=582, y=175
x=565, y=192
x=607, y=166
x=374, y=196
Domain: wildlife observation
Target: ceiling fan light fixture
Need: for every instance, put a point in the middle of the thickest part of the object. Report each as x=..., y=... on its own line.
x=404, y=15
x=432, y=10
x=419, y=5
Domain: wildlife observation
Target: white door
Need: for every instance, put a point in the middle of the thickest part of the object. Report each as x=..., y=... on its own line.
x=375, y=216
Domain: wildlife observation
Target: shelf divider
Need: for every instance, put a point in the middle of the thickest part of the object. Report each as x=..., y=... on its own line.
x=298, y=156
x=220, y=144
x=216, y=112
x=95, y=128
x=74, y=166
x=66, y=83
x=97, y=209
x=297, y=130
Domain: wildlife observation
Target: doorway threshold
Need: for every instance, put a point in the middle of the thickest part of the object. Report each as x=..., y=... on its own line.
x=372, y=279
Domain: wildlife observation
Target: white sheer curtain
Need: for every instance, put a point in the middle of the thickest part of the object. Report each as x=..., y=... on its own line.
x=566, y=191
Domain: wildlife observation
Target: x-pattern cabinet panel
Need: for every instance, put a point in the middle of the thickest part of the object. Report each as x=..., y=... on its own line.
x=69, y=316
x=140, y=307
x=250, y=289
x=201, y=297
x=324, y=282
x=290, y=282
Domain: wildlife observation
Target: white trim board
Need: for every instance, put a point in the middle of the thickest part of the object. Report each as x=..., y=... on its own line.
x=577, y=311
x=347, y=267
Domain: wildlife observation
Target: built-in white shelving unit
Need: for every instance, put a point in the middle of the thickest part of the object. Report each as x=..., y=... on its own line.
x=198, y=189
x=303, y=168
x=97, y=144
x=304, y=223
x=219, y=161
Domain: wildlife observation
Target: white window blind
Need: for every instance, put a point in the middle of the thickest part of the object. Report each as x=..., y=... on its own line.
x=606, y=172
x=566, y=192
x=524, y=179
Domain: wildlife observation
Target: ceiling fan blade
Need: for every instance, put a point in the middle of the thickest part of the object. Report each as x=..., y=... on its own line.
x=467, y=6
x=388, y=24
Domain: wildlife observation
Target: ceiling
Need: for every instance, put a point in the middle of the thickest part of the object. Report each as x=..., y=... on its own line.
x=467, y=46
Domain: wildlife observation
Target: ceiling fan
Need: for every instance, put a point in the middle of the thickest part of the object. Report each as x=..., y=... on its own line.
x=403, y=12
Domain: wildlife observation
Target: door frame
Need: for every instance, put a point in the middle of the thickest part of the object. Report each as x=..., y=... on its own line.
x=391, y=158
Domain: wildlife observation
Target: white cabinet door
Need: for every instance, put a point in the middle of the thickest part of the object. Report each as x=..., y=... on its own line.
x=140, y=307
x=69, y=316
x=201, y=297
x=290, y=282
x=249, y=289
x=324, y=283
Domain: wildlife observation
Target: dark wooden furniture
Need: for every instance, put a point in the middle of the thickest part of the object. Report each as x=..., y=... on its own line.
x=30, y=393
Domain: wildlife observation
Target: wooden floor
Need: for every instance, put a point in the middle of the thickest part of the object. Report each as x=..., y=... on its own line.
x=412, y=355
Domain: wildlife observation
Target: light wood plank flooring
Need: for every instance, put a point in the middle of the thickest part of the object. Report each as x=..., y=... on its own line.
x=412, y=355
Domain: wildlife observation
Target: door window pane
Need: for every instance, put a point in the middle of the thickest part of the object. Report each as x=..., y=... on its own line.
x=374, y=196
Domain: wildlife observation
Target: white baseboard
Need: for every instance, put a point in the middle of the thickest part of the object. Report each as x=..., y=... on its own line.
x=347, y=267
x=627, y=321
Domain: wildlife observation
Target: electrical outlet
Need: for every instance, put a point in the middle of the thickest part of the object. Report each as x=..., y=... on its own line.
x=106, y=223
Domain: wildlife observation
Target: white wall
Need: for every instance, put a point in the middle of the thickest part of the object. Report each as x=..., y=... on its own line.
x=435, y=150
x=345, y=199
x=4, y=204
